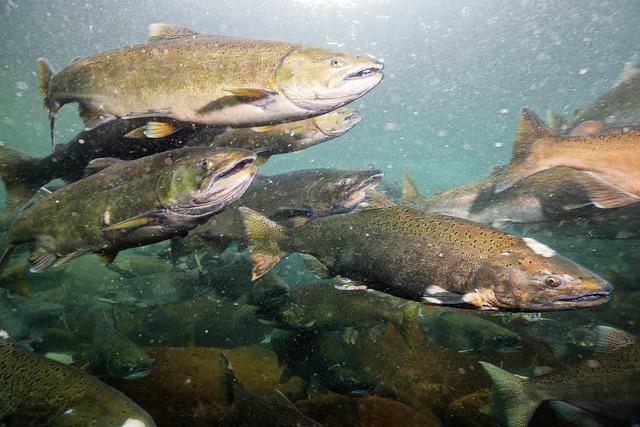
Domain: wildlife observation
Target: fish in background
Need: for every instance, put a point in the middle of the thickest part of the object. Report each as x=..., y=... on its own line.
x=608, y=385
x=323, y=360
x=322, y=307
x=115, y=356
x=618, y=107
x=467, y=332
x=430, y=258
x=255, y=410
x=23, y=174
x=39, y=391
x=265, y=82
x=610, y=162
x=285, y=198
x=549, y=196
x=269, y=140
x=131, y=203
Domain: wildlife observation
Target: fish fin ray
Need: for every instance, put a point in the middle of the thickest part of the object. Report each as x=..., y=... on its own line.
x=630, y=70
x=41, y=259
x=610, y=340
x=93, y=118
x=261, y=159
x=155, y=130
x=410, y=193
x=161, y=31
x=604, y=195
x=96, y=165
x=71, y=256
x=316, y=266
x=135, y=222
x=250, y=94
x=264, y=237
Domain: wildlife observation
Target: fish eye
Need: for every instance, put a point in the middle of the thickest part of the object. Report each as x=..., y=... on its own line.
x=345, y=181
x=552, y=281
x=207, y=165
x=336, y=62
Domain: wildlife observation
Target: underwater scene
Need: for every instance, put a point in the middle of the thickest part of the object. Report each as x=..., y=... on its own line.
x=319, y=213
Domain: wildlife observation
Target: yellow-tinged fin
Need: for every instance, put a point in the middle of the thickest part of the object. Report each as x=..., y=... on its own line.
x=262, y=129
x=530, y=129
x=160, y=31
x=73, y=255
x=604, y=195
x=261, y=159
x=153, y=130
x=108, y=257
x=410, y=193
x=137, y=133
x=510, y=403
x=264, y=237
x=134, y=222
x=93, y=118
x=96, y=165
x=629, y=71
x=316, y=266
x=14, y=278
x=610, y=340
x=41, y=259
x=250, y=93
x=21, y=175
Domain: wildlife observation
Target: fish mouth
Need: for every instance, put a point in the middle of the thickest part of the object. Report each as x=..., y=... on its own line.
x=141, y=373
x=586, y=300
x=356, y=195
x=364, y=72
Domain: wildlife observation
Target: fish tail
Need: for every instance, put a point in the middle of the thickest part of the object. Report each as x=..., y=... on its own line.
x=45, y=72
x=14, y=278
x=264, y=238
x=510, y=403
x=22, y=175
x=408, y=324
x=530, y=129
x=410, y=193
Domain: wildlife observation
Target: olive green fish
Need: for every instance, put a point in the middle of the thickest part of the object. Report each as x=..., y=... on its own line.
x=608, y=385
x=39, y=391
x=204, y=79
x=433, y=258
x=610, y=161
x=131, y=203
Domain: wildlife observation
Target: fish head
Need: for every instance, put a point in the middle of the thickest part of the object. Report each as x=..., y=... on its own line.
x=318, y=80
x=337, y=122
x=342, y=192
x=204, y=181
x=130, y=363
x=532, y=277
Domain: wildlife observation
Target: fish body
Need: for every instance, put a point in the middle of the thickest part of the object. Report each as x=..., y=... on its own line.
x=467, y=332
x=21, y=317
x=433, y=258
x=116, y=356
x=320, y=306
x=131, y=203
x=308, y=193
x=608, y=385
x=39, y=391
x=289, y=137
x=610, y=161
x=212, y=80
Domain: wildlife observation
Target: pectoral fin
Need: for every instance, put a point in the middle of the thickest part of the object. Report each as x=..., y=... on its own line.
x=153, y=130
x=605, y=195
x=96, y=165
x=258, y=97
x=93, y=118
x=41, y=259
x=440, y=296
x=316, y=266
x=135, y=222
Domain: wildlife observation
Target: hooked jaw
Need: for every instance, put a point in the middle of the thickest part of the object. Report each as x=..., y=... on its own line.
x=356, y=195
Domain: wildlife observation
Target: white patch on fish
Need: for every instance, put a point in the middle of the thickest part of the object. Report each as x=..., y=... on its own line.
x=435, y=290
x=432, y=300
x=4, y=334
x=132, y=422
x=539, y=248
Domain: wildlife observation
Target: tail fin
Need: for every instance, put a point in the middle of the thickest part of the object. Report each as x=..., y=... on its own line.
x=510, y=403
x=6, y=256
x=45, y=72
x=21, y=174
x=530, y=129
x=264, y=237
x=410, y=193
x=14, y=278
x=408, y=324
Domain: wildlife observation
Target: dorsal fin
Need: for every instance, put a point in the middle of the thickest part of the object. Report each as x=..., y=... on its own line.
x=610, y=340
x=557, y=122
x=530, y=129
x=630, y=70
x=160, y=31
x=96, y=165
x=410, y=192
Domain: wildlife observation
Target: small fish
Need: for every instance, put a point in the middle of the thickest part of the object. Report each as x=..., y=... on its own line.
x=467, y=332
x=432, y=258
x=232, y=82
x=40, y=391
x=116, y=356
x=618, y=107
x=608, y=385
x=255, y=410
x=320, y=306
x=131, y=203
x=610, y=161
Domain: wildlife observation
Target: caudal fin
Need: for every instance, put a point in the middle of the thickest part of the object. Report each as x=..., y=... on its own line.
x=264, y=237
x=45, y=72
x=410, y=193
x=530, y=129
x=21, y=174
x=510, y=403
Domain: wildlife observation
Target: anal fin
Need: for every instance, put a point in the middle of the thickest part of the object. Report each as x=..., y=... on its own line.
x=93, y=118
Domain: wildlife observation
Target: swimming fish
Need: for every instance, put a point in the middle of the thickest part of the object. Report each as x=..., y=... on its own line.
x=22, y=318
x=131, y=203
x=39, y=391
x=198, y=78
x=618, y=107
x=285, y=198
x=429, y=257
x=610, y=161
x=23, y=175
x=116, y=356
x=320, y=306
x=608, y=385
